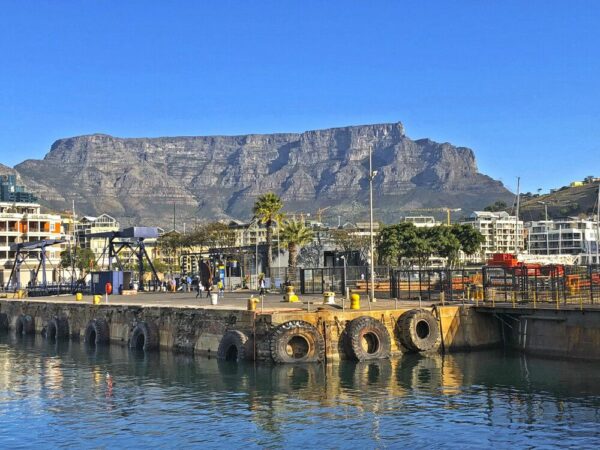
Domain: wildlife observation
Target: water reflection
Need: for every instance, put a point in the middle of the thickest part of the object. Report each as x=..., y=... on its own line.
x=136, y=398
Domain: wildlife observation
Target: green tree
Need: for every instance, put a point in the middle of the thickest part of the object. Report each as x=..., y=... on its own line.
x=82, y=259
x=469, y=237
x=295, y=235
x=170, y=245
x=350, y=239
x=419, y=246
x=444, y=243
x=396, y=242
x=497, y=206
x=267, y=210
x=211, y=235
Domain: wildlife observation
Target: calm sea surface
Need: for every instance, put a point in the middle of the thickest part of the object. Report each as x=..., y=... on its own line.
x=58, y=395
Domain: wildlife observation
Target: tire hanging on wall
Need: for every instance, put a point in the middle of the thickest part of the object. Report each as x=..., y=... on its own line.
x=145, y=337
x=3, y=322
x=233, y=346
x=57, y=328
x=297, y=341
x=367, y=339
x=419, y=331
x=97, y=332
x=25, y=324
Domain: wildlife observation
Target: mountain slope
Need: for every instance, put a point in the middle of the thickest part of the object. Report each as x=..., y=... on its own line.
x=567, y=201
x=220, y=176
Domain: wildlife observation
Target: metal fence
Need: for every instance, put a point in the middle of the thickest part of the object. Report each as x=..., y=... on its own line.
x=548, y=284
x=434, y=284
x=337, y=279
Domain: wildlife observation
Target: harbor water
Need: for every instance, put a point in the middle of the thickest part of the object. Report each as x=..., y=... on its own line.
x=67, y=395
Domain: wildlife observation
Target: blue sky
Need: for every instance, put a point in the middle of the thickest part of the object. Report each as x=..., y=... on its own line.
x=517, y=81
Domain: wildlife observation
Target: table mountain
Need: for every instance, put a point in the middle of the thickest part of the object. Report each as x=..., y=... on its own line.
x=139, y=180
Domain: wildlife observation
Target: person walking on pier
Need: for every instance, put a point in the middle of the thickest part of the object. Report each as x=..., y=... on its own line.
x=221, y=287
x=199, y=288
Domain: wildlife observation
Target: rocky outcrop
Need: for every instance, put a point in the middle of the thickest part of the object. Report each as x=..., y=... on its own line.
x=220, y=176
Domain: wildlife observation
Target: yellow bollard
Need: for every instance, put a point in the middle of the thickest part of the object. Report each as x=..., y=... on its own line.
x=252, y=302
x=78, y=296
x=97, y=299
x=354, y=301
x=290, y=295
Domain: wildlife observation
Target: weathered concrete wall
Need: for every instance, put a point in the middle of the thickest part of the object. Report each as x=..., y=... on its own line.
x=463, y=328
x=566, y=334
x=181, y=329
x=195, y=330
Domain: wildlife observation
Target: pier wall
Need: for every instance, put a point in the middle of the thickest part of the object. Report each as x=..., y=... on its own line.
x=199, y=330
x=563, y=334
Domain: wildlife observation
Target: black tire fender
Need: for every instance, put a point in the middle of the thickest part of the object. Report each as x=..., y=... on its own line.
x=419, y=331
x=97, y=332
x=25, y=324
x=3, y=322
x=367, y=339
x=233, y=346
x=144, y=336
x=296, y=341
x=57, y=328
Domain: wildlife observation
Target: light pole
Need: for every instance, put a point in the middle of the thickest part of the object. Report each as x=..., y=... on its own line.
x=372, y=174
x=546, y=226
x=256, y=253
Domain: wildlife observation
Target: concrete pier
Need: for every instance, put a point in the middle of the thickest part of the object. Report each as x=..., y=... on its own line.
x=300, y=332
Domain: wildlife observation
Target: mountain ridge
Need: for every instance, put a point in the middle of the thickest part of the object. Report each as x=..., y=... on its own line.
x=218, y=177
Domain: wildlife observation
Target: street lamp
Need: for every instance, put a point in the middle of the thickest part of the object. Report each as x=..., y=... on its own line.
x=546, y=225
x=372, y=174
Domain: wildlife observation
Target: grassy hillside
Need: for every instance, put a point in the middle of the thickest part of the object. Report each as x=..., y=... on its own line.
x=567, y=201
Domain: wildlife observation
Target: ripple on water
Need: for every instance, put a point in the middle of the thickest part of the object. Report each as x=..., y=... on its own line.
x=161, y=400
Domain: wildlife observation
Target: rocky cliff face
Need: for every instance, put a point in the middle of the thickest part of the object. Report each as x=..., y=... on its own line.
x=139, y=180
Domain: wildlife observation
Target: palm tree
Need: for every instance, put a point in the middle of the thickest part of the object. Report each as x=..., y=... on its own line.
x=295, y=235
x=267, y=210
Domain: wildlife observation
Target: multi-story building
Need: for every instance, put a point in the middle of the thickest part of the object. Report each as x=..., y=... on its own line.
x=567, y=236
x=11, y=192
x=422, y=221
x=24, y=222
x=88, y=226
x=502, y=232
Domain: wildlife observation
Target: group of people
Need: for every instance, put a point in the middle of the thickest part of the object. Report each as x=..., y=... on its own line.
x=209, y=287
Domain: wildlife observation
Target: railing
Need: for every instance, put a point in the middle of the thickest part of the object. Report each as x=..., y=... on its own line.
x=557, y=285
x=434, y=284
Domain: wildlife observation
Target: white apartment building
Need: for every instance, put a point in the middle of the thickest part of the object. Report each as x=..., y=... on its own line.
x=422, y=221
x=24, y=222
x=502, y=232
x=567, y=236
x=87, y=226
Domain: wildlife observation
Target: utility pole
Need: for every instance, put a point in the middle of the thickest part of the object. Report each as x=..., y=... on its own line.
x=372, y=174
x=546, y=226
x=73, y=246
x=517, y=217
x=598, y=228
x=173, y=216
